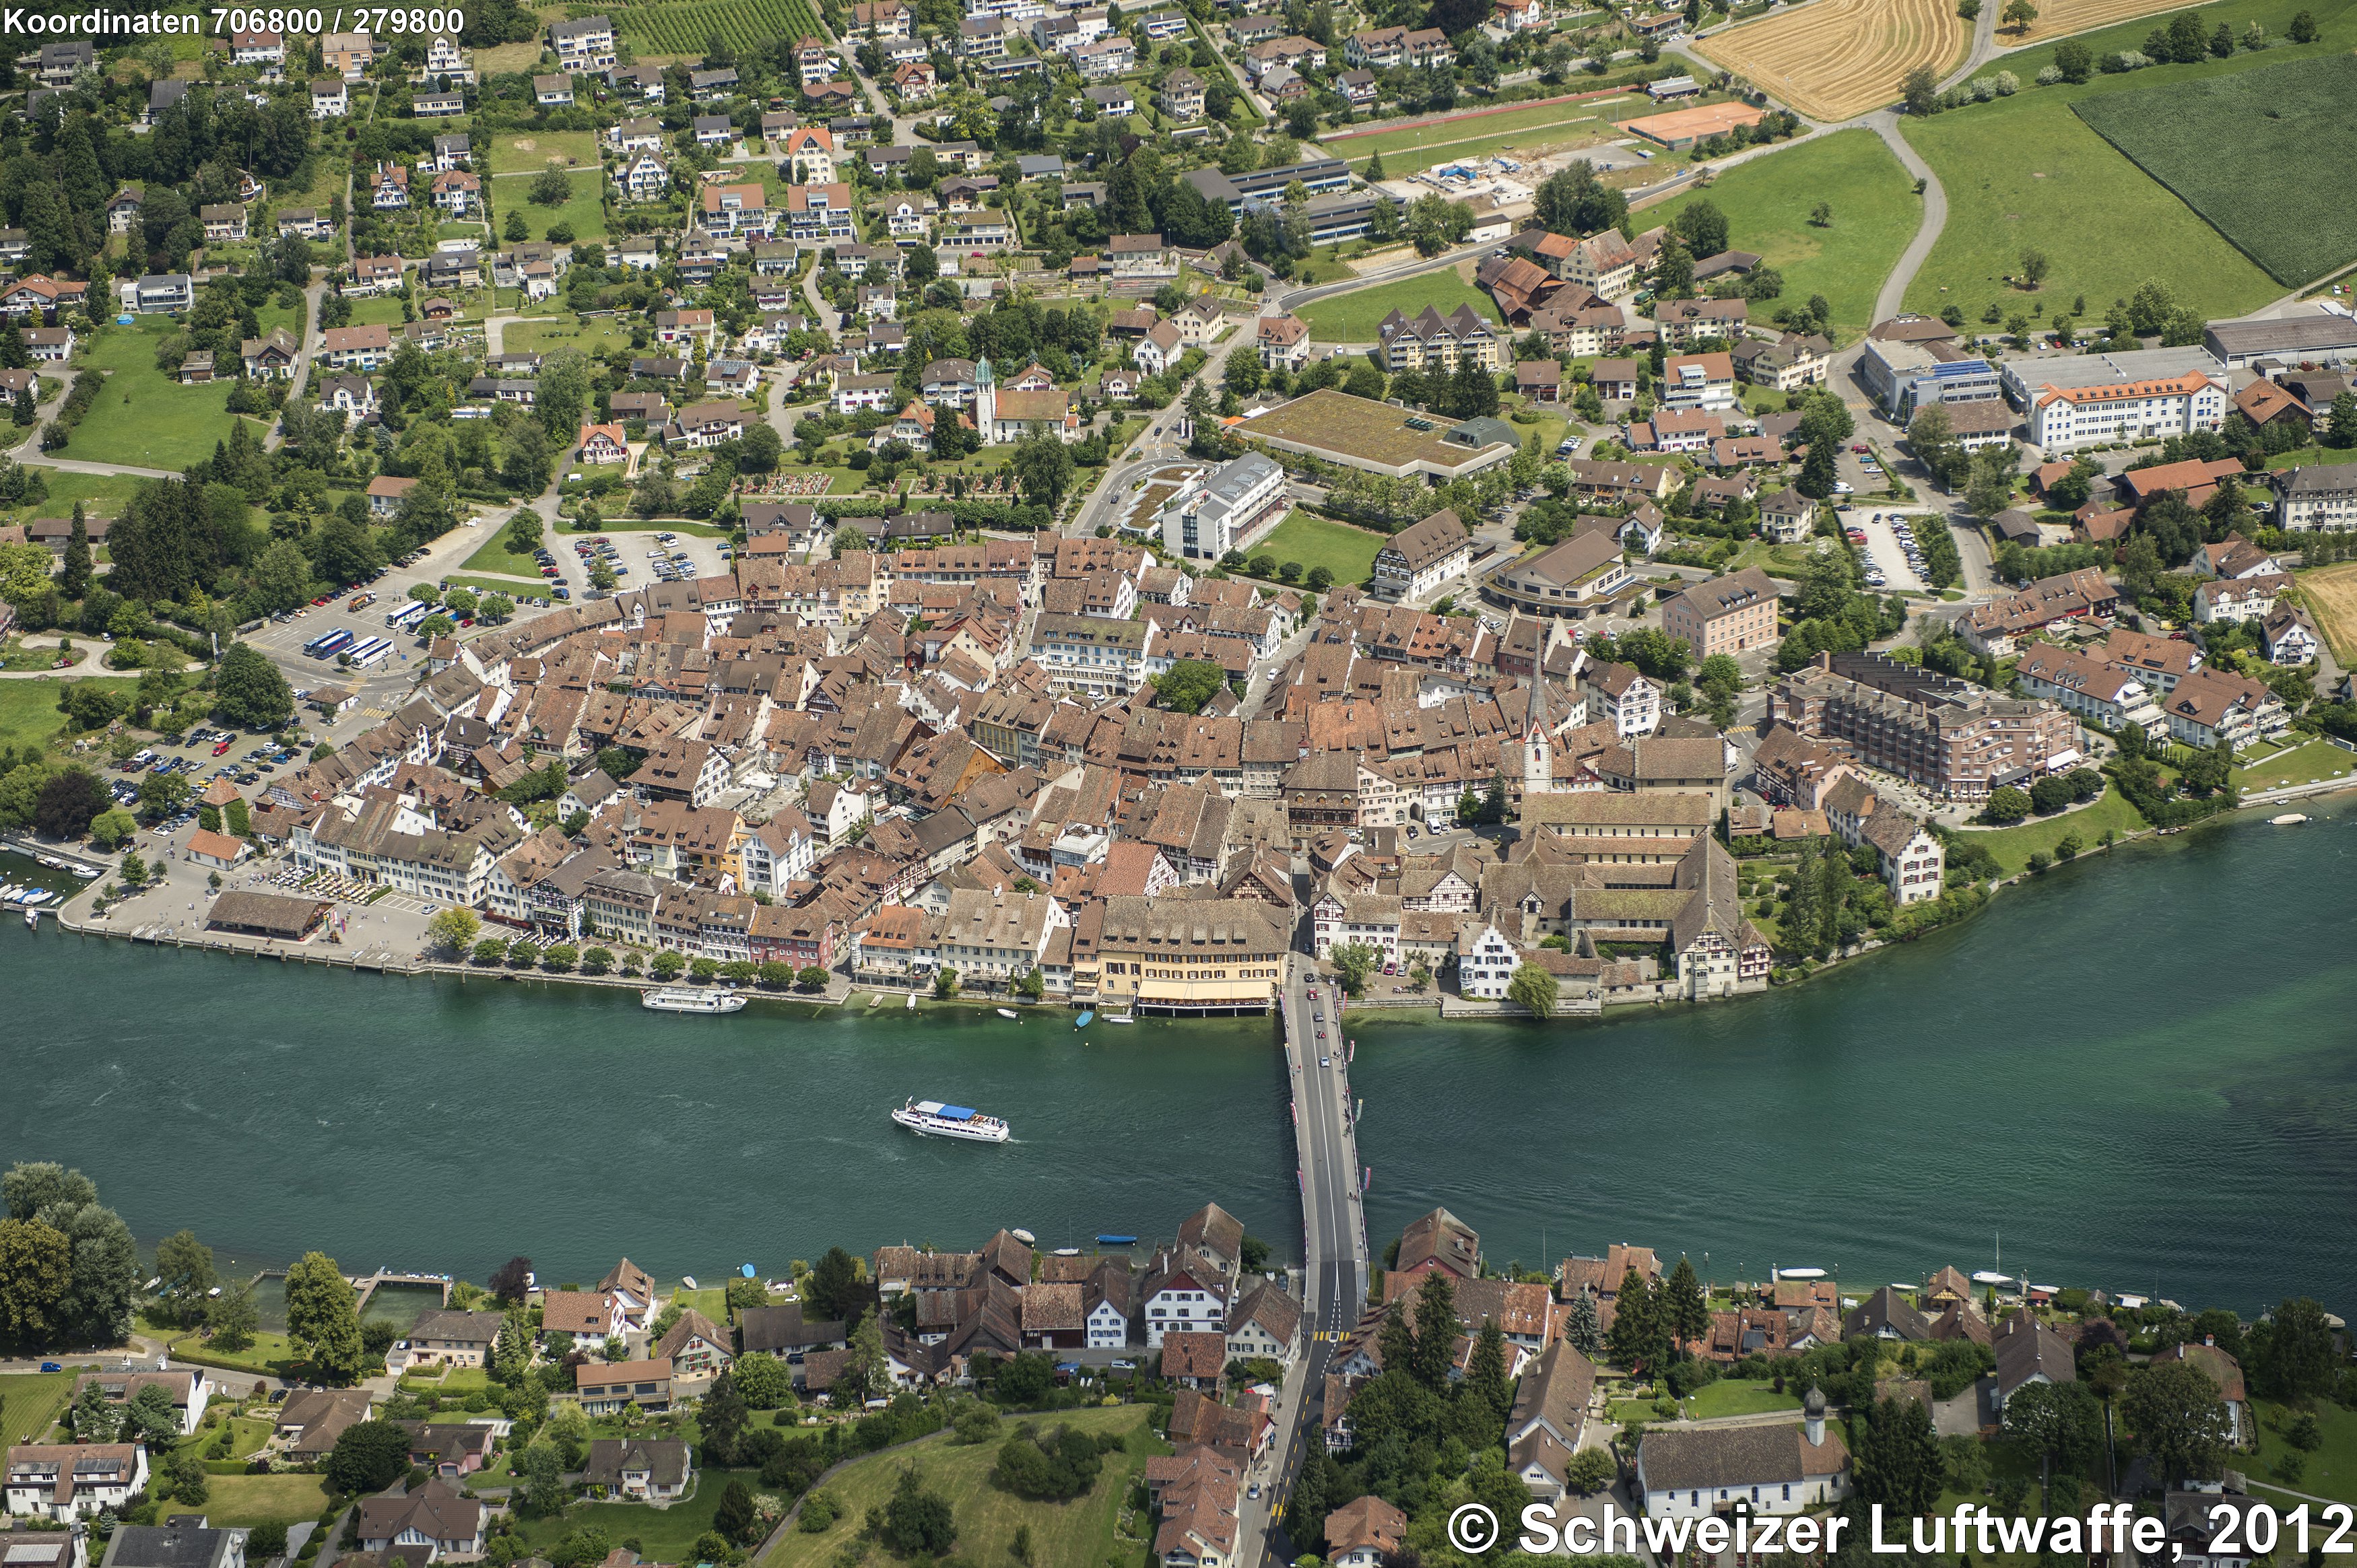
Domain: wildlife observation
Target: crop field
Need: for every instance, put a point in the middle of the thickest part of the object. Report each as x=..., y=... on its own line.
x=1839, y=58
x=2331, y=596
x=2059, y=18
x=685, y=28
x=2026, y=172
x=2240, y=149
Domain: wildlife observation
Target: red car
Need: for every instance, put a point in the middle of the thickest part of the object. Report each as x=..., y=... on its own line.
x=322, y=599
x=549, y=572
x=219, y=749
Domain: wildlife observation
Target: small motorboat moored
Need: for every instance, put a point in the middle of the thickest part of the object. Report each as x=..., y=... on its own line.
x=1119, y=1018
x=2287, y=820
x=1005, y=1012
x=1085, y=1019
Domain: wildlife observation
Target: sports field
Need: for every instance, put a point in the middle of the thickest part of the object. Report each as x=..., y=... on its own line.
x=1768, y=200
x=1540, y=127
x=1835, y=59
x=1352, y=317
x=2026, y=172
x=2241, y=150
x=2331, y=596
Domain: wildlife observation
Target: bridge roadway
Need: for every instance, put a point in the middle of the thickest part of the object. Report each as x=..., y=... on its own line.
x=1334, y=1226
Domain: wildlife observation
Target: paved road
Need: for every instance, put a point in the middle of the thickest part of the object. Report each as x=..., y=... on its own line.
x=1334, y=1235
x=312, y=296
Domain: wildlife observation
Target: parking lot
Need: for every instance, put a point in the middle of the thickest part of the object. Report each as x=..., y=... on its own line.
x=638, y=557
x=1884, y=548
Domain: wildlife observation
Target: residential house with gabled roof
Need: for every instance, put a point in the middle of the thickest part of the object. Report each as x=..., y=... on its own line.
x=72, y=1480
x=2028, y=1351
x=433, y=1516
x=642, y=1470
x=1550, y=1414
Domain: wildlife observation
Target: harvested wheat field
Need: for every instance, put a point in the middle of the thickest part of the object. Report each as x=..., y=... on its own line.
x=2331, y=596
x=2057, y=17
x=1835, y=59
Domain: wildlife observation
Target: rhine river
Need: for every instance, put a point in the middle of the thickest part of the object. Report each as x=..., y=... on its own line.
x=2141, y=1071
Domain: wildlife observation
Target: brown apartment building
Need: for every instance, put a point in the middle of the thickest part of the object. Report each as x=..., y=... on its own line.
x=1724, y=615
x=1946, y=735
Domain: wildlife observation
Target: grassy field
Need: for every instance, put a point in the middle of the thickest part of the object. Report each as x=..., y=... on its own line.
x=2012, y=847
x=2295, y=764
x=1768, y=201
x=28, y=710
x=246, y=1500
x=102, y=495
x=664, y=1534
x=1349, y=553
x=269, y=1353
x=2333, y=18
x=2024, y=173
x=2237, y=149
x=512, y=587
x=1841, y=58
x=511, y=153
x=2331, y=596
x=586, y=212
x=1732, y=1396
x=142, y=419
x=1353, y=317
x=31, y=1403
x=1081, y=1531
x=495, y=556
x=563, y=332
x=2330, y=1471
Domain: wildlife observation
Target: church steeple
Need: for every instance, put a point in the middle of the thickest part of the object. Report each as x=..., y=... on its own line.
x=1538, y=750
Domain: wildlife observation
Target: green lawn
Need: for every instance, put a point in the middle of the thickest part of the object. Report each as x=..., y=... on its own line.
x=495, y=556
x=2025, y=172
x=142, y=419
x=247, y=1500
x=1063, y=1535
x=664, y=1534
x=514, y=589
x=1349, y=553
x=2012, y=847
x=2329, y=1472
x=269, y=1353
x=563, y=332
x=29, y=1405
x=1768, y=201
x=1737, y=1397
x=28, y=709
x=102, y=495
x=586, y=212
x=1353, y=317
x=2299, y=765
x=530, y=152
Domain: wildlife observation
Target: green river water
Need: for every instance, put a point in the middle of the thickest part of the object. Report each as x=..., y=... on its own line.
x=2140, y=1071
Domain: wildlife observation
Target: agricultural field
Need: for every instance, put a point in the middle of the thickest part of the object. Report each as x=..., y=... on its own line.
x=2240, y=149
x=2025, y=172
x=2336, y=21
x=1353, y=317
x=2330, y=593
x=1405, y=149
x=1839, y=58
x=529, y=153
x=1768, y=200
x=687, y=28
x=2060, y=18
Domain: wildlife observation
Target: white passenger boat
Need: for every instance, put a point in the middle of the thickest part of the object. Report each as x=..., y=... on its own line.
x=931, y=1119
x=682, y=1001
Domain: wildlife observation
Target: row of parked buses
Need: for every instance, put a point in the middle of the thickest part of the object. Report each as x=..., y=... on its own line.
x=361, y=652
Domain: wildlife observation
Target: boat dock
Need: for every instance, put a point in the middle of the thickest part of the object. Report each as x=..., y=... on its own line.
x=366, y=1285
